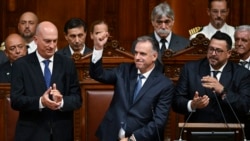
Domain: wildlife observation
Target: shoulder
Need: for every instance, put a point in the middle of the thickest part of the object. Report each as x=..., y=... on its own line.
x=62, y=58
x=179, y=38
x=62, y=50
x=239, y=70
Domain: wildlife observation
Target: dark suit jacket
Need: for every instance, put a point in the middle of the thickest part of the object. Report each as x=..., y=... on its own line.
x=28, y=85
x=66, y=51
x=234, y=78
x=176, y=43
x=3, y=57
x=140, y=120
x=5, y=72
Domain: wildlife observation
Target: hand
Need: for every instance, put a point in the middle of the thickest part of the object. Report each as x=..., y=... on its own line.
x=212, y=83
x=199, y=102
x=100, y=38
x=124, y=139
x=56, y=95
x=47, y=102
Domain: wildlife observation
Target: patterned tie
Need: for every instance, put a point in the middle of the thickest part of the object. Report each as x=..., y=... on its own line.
x=138, y=86
x=215, y=74
x=47, y=73
x=243, y=63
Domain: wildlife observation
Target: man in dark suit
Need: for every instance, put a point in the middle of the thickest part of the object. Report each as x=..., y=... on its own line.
x=75, y=32
x=15, y=47
x=3, y=57
x=132, y=116
x=45, y=104
x=202, y=93
x=162, y=19
x=242, y=46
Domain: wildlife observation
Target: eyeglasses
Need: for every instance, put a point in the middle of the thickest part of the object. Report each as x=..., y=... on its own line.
x=167, y=22
x=216, y=50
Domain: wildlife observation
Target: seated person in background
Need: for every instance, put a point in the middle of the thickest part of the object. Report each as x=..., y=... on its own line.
x=217, y=11
x=242, y=44
x=75, y=32
x=27, y=27
x=3, y=57
x=162, y=19
x=134, y=114
x=15, y=47
x=200, y=92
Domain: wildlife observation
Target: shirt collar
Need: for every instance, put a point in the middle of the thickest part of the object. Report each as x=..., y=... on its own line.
x=158, y=38
x=40, y=58
x=248, y=59
x=81, y=51
x=146, y=74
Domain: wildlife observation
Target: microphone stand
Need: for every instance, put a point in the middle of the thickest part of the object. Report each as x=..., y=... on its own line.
x=182, y=128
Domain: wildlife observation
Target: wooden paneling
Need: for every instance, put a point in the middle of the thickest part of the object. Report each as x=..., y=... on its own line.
x=58, y=12
x=127, y=19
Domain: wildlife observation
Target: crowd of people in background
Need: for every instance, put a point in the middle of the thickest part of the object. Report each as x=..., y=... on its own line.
x=45, y=87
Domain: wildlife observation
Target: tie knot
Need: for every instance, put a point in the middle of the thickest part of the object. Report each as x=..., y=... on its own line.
x=243, y=63
x=141, y=76
x=46, y=62
x=163, y=41
x=215, y=73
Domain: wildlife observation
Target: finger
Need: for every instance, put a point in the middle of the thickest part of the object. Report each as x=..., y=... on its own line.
x=54, y=86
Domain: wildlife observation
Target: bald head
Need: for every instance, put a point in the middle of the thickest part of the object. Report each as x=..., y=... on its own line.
x=46, y=39
x=27, y=25
x=15, y=47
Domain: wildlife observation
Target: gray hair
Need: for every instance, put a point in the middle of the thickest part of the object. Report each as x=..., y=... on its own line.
x=243, y=28
x=145, y=39
x=163, y=9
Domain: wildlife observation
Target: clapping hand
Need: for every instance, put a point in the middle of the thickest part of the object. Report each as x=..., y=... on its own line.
x=52, y=98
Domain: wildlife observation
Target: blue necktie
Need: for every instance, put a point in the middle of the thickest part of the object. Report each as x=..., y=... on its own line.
x=138, y=86
x=47, y=73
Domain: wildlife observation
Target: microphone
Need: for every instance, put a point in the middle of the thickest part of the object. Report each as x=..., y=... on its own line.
x=182, y=128
x=243, y=131
x=158, y=135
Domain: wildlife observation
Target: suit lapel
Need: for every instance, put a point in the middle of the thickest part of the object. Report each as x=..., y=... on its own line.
x=149, y=82
x=226, y=75
x=37, y=68
x=56, y=68
x=132, y=83
x=205, y=71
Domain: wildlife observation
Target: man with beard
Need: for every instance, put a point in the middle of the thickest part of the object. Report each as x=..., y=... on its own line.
x=27, y=27
x=162, y=19
x=218, y=11
x=207, y=87
x=75, y=32
x=242, y=46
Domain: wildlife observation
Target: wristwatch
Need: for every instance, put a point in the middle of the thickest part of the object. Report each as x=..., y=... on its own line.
x=224, y=91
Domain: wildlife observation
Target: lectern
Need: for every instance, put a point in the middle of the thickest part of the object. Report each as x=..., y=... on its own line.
x=211, y=131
